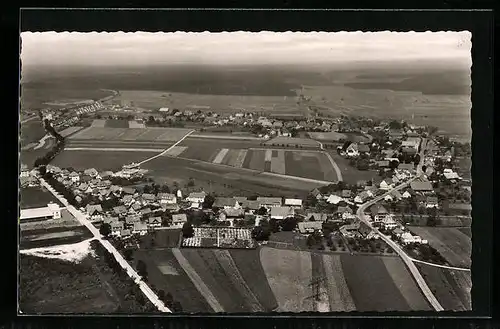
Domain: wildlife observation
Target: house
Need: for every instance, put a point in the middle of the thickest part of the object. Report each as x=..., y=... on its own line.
x=85, y=178
x=139, y=228
x=407, y=238
x=145, y=212
x=109, y=219
x=389, y=223
x=309, y=227
x=74, y=177
x=94, y=211
x=240, y=199
x=154, y=221
x=125, y=233
x=350, y=230
x=135, y=207
x=296, y=203
x=450, y=174
x=421, y=186
x=148, y=198
x=120, y=210
x=316, y=217
x=366, y=231
x=362, y=197
x=363, y=148
x=116, y=190
x=409, y=150
x=333, y=199
x=127, y=200
x=251, y=206
x=132, y=219
x=226, y=203
x=178, y=220
x=383, y=163
x=83, y=187
x=179, y=194
x=269, y=202
x=106, y=174
x=167, y=198
x=317, y=194
x=231, y=213
x=345, y=212
x=282, y=212
x=406, y=166
x=91, y=172
x=94, y=182
x=352, y=150
x=378, y=212
x=393, y=195
x=386, y=184
x=116, y=228
x=346, y=194
x=431, y=202
x=395, y=134
x=172, y=207
x=128, y=190
x=406, y=194
x=196, y=197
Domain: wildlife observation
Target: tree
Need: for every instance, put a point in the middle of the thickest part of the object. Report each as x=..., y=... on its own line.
x=142, y=268
x=394, y=124
x=262, y=211
x=288, y=224
x=105, y=229
x=165, y=189
x=168, y=299
x=209, y=201
x=261, y=233
x=177, y=307
x=273, y=225
x=187, y=230
x=190, y=182
x=393, y=164
x=127, y=253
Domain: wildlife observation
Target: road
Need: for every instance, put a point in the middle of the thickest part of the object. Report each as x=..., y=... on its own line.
x=334, y=164
x=406, y=259
x=150, y=294
x=168, y=149
x=442, y=266
x=249, y=138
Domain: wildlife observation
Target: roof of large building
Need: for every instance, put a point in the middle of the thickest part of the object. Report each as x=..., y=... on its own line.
x=36, y=213
x=282, y=211
x=293, y=202
x=179, y=217
x=421, y=185
x=304, y=226
x=224, y=202
x=269, y=200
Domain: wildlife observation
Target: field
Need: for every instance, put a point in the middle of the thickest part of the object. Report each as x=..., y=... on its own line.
x=221, y=275
x=224, y=180
x=51, y=237
x=116, y=146
x=289, y=274
x=351, y=174
x=310, y=165
x=100, y=160
x=454, y=245
x=31, y=131
x=70, y=130
x=165, y=273
x=131, y=134
x=35, y=197
x=162, y=239
x=333, y=136
x=374, y=288
x=451, y=288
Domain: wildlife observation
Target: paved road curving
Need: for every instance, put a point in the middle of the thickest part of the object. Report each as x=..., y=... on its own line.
x=150, y=294
x=464, y=269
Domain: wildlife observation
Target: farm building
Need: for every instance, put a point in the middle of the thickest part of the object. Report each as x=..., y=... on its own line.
x=51, y=211
x=296, y=203
x=362, y=197
x=350, y=230
x=116, y=228
x=333, y=199
x=154, y=221
x=282, y=212
x=120, y=210
x=363, y=148
x=231, y=213
x=379, y=213
x=386, y=184
x=309, y=227
x=352, y=150
x=406, y=166
x=226, y=203
x=167, y=198
x=366, y=232
x=345, y=212
x=269, y=202
x=421, y=186
x=140, y=228
x=431, y=202
x=408, y=238
x=317, y=194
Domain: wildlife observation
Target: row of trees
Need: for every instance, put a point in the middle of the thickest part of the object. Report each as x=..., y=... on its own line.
x=60, y=188
x=58, y=147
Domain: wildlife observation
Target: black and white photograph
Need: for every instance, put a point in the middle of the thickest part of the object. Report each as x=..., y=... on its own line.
x=244, y=172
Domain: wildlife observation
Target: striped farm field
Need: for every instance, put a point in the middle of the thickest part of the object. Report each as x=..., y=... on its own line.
x=240, y=158
x=278, y=162
x=289, y=274
x=220, y=156
x=255, y=160
x=339, y=296
x=218, y=272
x=372, y=287
x=200, y=153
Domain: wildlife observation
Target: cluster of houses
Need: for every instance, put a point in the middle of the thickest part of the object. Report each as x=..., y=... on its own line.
x=70, y=116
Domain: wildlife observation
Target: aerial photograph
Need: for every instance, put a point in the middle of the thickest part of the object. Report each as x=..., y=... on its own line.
x=244, y=172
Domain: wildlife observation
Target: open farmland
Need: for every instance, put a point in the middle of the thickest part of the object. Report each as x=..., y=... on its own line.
x=31, y=131
x=452, y=288
x=289, y=274
x=225, y=180
x=339, y=296
x=350, y=174
x=165, y=273
x=217, y=270
x=250, y=267
x=34, y=197
x=70, y=130
x=131, y=134
x=81, y=160
x=372, y=287
x=309, y=165
x=450, y=242
x=130, y=146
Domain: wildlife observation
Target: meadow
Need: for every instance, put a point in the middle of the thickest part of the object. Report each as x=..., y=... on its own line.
x=98, y=159
x=130, y=134
x=34, y=197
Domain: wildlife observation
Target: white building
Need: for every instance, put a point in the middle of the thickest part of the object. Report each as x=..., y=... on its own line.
x=196, y=197
x=407, y=238
x=52, y=211
x=296, y=203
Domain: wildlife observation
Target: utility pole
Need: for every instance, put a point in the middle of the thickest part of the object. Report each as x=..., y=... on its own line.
x=315, y=285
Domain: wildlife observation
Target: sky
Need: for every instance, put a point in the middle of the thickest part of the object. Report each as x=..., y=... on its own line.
x=227, y=48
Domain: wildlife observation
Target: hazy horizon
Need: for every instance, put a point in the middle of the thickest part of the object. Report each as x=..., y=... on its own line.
x=140, y=49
